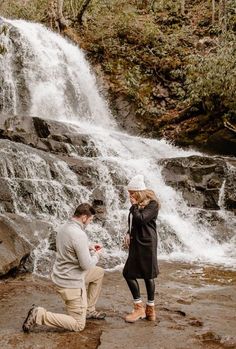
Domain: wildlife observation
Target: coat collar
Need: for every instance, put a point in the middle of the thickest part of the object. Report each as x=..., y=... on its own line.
x=78, y=223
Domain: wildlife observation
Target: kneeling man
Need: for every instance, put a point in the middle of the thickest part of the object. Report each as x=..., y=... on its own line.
x=73, y=270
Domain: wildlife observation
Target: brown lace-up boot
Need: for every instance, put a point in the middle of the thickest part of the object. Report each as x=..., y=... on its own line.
x=30, y=321
x=150, y=313
x=137, y=313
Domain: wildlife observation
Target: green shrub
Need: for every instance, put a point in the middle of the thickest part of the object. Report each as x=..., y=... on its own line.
x=211, y=79
x=34, y=10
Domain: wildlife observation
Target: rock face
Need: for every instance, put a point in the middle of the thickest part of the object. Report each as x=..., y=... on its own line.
x=21, y=235
x=13, y=249
x=205, y=182
x=185, y=128
x=61, y=162
x=223, y=142
x=46, y=135
x=48, y=167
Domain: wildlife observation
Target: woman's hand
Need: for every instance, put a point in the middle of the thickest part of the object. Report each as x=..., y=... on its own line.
x=133, y=201
x=127, y=241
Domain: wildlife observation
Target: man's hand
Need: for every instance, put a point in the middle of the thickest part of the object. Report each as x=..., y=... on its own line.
x=98, y=247
x=99, y=251
x=95, y=247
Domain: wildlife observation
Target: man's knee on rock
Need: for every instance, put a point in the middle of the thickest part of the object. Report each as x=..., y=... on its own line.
x=80, y=326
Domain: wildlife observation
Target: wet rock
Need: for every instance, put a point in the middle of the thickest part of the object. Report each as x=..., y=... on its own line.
x=201, y=180
x=228, y=342
x=99, y=203
x=47, y=135
x=208, y=335
x=30, y=232
x=16, y=296
x=222, y=142
x=36, y=182
x=176, y=311
x=216, y=220
x=186, y=301
x=52, y=240
x=14, y=250
x=177, y=327
x=195, y=322
x=126, y=114
x=41, y=127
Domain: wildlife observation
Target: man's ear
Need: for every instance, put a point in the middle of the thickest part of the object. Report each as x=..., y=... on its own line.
x=85, y=217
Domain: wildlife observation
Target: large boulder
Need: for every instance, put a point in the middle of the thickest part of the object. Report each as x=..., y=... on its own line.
x=205, y=182
x=23, y=239
x=14, y=250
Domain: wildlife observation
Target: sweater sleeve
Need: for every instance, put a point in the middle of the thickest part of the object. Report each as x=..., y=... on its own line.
x=86, y=261
x=145, y=215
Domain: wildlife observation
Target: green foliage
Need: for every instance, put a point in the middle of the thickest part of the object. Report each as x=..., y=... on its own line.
x=231, y=15
x=212, y=78
x=146, y=47
x=72, y=8
x=34, y=10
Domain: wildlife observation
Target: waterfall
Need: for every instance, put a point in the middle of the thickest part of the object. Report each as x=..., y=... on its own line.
x=44, y=75
x=222, y=195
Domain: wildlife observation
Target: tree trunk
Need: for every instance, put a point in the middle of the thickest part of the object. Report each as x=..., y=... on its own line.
x=224, y=15
x=213, y=11
x=220, y=12
x=60, y=18
x=182, y=7
x=82, y=11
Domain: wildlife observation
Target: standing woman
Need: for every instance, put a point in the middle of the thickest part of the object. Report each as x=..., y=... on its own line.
x=141, y=239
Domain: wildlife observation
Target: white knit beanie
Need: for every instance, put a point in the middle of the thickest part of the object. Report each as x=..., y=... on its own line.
x=137, y=183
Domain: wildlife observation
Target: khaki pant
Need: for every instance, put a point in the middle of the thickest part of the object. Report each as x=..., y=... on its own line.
x=77, y=302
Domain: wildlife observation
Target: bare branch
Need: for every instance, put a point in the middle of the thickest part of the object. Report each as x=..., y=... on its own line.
x=82, y=11
x=213, y=11
x=182, y=7
x=61, y=20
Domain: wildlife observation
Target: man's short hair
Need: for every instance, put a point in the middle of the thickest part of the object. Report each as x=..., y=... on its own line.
x=84, y=209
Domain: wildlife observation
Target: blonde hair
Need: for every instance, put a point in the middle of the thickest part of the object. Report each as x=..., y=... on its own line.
x=143, y=197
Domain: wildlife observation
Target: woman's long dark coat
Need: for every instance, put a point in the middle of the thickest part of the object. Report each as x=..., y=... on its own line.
x=142, y=259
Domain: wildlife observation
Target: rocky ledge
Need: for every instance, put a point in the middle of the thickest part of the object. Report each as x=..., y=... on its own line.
x=48, y=166
x=187, y=315
x=205, y=182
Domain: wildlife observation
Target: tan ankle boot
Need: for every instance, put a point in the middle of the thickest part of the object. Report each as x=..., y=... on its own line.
x=150, y=313
x=137, y=313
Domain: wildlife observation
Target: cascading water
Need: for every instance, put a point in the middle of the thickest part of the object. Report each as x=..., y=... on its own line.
x=44, y=75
